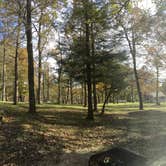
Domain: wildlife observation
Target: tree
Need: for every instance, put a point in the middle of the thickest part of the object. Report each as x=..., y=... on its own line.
x=43, y=27
x=15, y=96
x=112, y=71
x=163, y=87
x=132, y=26
x=155, y=59
x=28, y=27
x=22, y=74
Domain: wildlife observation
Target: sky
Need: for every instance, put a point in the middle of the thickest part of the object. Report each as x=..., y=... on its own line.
x=146, y=4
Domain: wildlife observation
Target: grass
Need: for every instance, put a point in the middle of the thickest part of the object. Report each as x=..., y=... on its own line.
x=60, y=135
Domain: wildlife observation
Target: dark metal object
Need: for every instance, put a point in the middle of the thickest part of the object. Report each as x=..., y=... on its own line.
x=117, y=157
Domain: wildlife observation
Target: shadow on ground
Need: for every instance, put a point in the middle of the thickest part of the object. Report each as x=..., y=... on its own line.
x=63, y=137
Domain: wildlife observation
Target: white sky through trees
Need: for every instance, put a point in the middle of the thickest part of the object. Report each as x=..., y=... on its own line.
x=143, y=4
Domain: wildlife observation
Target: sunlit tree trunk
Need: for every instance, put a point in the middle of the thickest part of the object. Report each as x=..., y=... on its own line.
x=132, y=47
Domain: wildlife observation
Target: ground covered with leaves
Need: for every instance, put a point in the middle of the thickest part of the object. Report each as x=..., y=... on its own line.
x=62, y=136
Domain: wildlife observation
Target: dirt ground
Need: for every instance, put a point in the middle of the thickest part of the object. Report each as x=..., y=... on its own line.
x=64, y=138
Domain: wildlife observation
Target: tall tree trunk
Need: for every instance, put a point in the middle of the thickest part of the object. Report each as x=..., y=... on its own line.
x=157, y=85
x=85, y=94
x=132, y=47
x=59, y=92
x=94, y=69
x=48, y=84
x=68, y=93
x=39, y=64
x=4, y=72
x=138, y=84
x=113, y=97
x=44, y=97
x=15, y=97
x=132, y=93
x=88, y=63
x=71, y=90
x=32, y=105
x=82, y=93
x=60, y=71
x=59, y=87
x=105, y=102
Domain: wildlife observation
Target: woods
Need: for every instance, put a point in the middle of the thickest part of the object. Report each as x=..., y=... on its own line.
x=88, y=36
x=87, y=57
x=89, y=39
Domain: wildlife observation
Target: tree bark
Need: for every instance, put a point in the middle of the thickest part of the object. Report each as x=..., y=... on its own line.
x=48, y=84
x=88, y=62
x=15, y=97
x=71, y=90
x=4, y=72
x=44, y=97
x=138, y=84
x=82, y=93
x=85, y=95
x=60, y=71
x=132, y=47
x=157, y=86
x=68, y=93
x=105, y=102
x=59, y=87
x=94, y=69
x=39, y=64
x=32, y=105
x=137, y=79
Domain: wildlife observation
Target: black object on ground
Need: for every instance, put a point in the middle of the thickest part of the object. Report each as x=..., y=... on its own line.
x=117, y=157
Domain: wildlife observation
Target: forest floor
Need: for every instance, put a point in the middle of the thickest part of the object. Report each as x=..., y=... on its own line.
x=60, y=135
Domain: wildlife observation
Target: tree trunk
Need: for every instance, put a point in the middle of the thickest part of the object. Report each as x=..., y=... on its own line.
x=59, y=87
x=39, y=64
x=138, y=85
x=4, y=72
x=68, y=93
x=85, y=95
x=132, y=94
x=132, y=47
x=60, y=71
x=94, y=69
x=44, y=97
x=15, y=97
x=157, y=86
x=82, y=93
x=105, y=102
x=88, y=63
x=71, y=90
x=48, y=84
x=32, y=105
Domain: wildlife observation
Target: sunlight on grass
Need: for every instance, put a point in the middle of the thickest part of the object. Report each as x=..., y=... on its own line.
x=57, y=129
x=110, y=107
